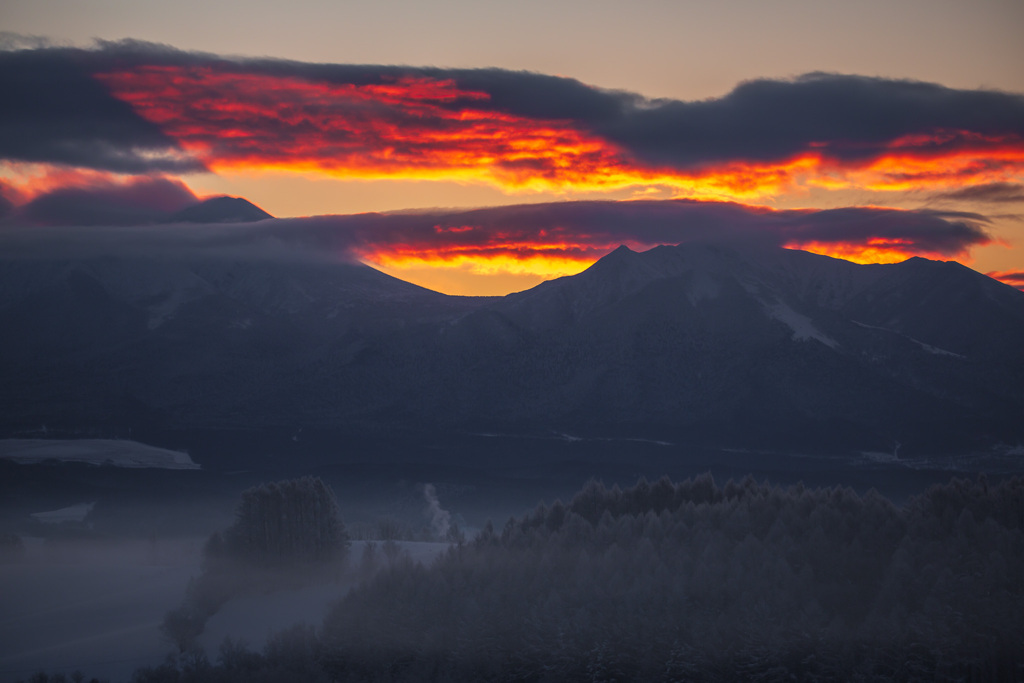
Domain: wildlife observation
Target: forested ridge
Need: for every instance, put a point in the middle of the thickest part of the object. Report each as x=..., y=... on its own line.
x=690, y=581
x=687, y=581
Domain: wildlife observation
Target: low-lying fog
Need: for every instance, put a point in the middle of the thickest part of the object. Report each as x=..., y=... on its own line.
x=92, y=605
x=97, y=605
x=118, y=558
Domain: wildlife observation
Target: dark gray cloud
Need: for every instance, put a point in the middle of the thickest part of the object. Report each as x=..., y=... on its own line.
x=602, y=224
x=580, y=229
x=996, y=193
x=843, y=117
x=55, y=112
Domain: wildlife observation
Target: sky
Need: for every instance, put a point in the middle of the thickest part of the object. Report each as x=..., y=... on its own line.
x=481, y=147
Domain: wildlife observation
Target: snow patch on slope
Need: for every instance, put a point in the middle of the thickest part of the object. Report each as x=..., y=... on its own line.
x=802, y=326
x=927, y=347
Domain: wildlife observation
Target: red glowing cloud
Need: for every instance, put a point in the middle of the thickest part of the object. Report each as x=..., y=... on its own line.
x=410, y=128
x=417, y=126
x=137, y=108
x=561, y=238
x=1012, y=278
x=143, y=109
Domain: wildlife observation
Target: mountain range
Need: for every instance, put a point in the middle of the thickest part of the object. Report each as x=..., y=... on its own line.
x=699, y=343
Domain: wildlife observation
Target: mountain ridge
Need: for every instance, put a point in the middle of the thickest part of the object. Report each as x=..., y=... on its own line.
x=698, y=342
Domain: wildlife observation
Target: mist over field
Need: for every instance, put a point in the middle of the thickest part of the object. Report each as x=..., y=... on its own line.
x=90, y=604
x=696, y=578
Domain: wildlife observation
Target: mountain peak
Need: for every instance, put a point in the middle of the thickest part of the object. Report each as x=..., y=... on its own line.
x=620, y=255
x=220, y=210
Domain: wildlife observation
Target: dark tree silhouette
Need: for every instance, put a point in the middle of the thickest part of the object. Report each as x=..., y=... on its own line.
x=286, y=522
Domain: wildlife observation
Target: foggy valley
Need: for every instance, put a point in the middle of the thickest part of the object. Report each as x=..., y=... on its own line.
x=465, y=579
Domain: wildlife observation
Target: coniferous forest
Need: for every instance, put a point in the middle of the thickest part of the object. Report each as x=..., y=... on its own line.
x=688, y=581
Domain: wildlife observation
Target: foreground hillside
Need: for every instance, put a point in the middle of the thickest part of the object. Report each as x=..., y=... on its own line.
x=704, y=344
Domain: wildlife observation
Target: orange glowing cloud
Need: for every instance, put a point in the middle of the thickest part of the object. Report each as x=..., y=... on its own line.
x=870, y=250
x=410, y=128
x=137, y=108
x=904, y=167
x=25, y=182
x=1012, y=278
x=426, y=127
x=140, y=109
x=550, y=240
x=541, y=253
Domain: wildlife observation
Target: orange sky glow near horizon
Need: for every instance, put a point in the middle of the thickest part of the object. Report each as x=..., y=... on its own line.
x=422, y=129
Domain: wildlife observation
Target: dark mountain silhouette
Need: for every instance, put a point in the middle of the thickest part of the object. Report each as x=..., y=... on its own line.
x=220, y=210
x=696, y=343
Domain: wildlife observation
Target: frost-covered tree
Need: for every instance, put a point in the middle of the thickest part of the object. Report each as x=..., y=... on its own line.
x=285, y=522
x=692, y=581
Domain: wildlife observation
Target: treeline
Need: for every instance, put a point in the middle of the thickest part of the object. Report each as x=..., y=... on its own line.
x=690, y=581
x=282, y=523
x=685, y=581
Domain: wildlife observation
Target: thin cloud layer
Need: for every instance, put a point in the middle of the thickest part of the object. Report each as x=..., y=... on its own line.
x=998, y=193
x=147, y=107
x=545, y=237
x=579, y=232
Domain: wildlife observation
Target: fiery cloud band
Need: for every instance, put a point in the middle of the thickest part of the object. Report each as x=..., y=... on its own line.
x=157, y=106
x=81, y=120
x=542, y=239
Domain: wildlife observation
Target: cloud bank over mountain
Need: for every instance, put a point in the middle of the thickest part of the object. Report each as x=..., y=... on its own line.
x=571, y=231
x=112, y=136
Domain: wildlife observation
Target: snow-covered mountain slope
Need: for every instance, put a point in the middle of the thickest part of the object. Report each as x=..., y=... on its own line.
x=701, y=342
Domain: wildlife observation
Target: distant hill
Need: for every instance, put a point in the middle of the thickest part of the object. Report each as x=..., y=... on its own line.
x=696, y=343
x=220, y=210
